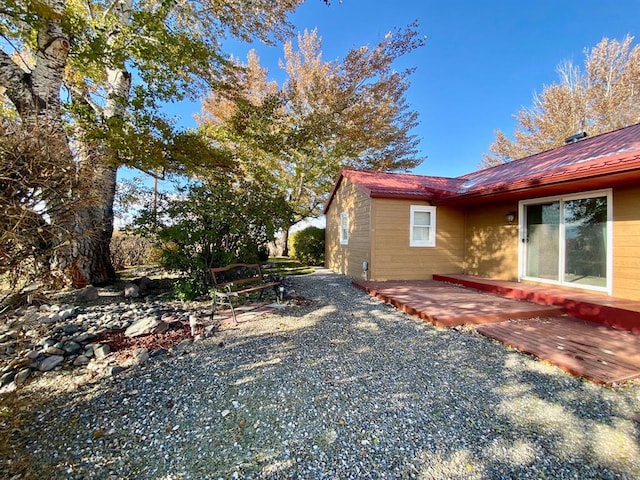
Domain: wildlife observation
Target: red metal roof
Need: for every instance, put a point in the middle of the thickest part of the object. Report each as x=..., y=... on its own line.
x=383, y=184
x=604, y=154
x=614, y=154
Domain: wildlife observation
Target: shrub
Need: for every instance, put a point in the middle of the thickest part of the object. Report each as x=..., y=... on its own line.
x=308, y=245
x=263, y=253
x=128, y=250
x=212, y=223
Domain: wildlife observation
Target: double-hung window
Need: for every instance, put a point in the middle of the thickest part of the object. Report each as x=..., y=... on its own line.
x=423, y=226
x=344, y=228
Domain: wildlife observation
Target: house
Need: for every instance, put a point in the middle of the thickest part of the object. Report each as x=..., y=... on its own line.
x=568, y=217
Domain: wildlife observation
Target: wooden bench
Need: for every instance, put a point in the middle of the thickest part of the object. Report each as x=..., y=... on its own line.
x=238, y=279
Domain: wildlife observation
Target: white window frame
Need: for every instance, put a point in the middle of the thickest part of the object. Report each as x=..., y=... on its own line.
x=344, y=228
x=431, y=241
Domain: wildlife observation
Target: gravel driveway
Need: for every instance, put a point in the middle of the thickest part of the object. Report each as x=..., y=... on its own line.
x=342, y=387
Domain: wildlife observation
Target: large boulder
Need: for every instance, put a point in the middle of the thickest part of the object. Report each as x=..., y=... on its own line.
x=146, y=326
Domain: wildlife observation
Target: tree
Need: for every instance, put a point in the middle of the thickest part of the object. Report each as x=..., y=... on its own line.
x=96, y=73
x=603, y=97
x=325, y=116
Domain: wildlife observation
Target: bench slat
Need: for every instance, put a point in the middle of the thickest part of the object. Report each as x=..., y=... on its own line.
x=249, y=274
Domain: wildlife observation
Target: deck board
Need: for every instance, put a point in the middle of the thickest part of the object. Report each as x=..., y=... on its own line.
x=597, y=352
x=596, y=307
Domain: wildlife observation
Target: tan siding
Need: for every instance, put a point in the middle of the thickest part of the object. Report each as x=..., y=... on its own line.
x=491, y=244
x=626, y=243
x=347, y=259
x=394, y=259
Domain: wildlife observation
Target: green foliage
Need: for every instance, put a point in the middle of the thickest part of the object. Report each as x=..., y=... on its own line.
x=104, y=72
x=222, y=220
x=308, y=245
x=263, y=253
x=187, y=288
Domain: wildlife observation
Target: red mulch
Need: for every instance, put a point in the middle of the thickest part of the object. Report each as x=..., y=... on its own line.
x=125, y=346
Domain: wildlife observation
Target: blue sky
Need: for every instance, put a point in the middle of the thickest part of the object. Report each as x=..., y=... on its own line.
x=482, y=62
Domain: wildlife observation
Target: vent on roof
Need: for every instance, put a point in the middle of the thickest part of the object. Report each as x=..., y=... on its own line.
x=576, y=137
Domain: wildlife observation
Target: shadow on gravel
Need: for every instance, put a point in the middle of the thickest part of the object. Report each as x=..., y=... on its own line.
x=345, y=387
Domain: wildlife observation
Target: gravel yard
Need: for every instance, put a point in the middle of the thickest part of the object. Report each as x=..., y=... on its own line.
x=339, y=387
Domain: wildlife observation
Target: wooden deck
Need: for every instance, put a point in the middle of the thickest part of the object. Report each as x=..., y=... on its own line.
x=592, y=306
x=450, y=306
x=596, y=351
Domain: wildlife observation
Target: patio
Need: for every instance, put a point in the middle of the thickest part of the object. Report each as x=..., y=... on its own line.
x=596, y=351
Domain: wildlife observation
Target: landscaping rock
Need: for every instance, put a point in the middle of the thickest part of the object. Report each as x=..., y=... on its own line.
x=111, y=370
x=54, y=351
x=131, y=290
x=58, y=334
x=146, y=326
x=22, y=376
x=82, y=337
x=66, y=313
x=144, y=284
x=7, y=378
x=81, y=360
x=141, y=355
x=33, y=354
x=71, y=328
x=101, y=351
x=49, y=363
x=71, y=347
x=87, y=294
x=52, y=317
x=182, y=347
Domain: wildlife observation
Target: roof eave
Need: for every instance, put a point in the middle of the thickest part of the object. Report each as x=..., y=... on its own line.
x=336, y=185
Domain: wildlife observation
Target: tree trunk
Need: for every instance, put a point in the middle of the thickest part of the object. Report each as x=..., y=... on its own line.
x=97, y=174
x=285, y=240
x=36, y=96
x=94, y=218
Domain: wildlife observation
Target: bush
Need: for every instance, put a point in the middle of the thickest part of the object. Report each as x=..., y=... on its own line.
x=128, y=250
x=209, y=224
x=308, y=245
x=263, y=253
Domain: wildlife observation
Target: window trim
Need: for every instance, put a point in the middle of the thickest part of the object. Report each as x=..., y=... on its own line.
x=344, y=228
x=431, y=241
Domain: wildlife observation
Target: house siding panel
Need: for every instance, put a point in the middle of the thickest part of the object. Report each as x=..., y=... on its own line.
x=626, y=242
x=491, y=244
x=347, y=259
x=394, y=259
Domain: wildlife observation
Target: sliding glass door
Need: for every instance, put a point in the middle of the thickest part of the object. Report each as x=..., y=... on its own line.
x=542, y=240
x=566, y=240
